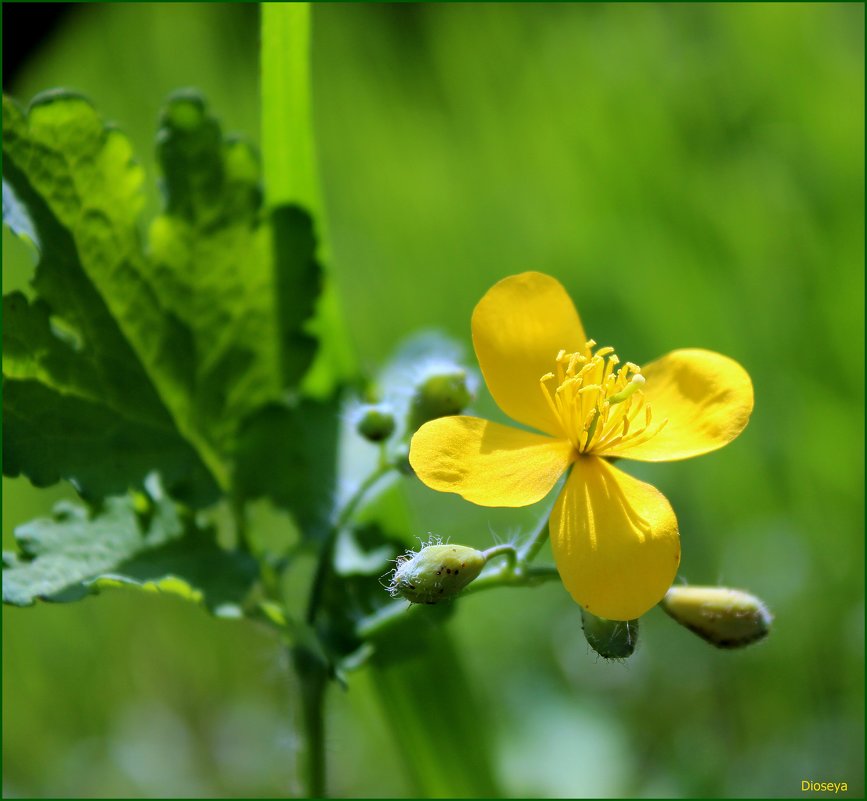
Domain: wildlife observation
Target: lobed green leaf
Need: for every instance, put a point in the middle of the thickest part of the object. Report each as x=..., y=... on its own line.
x=134, y=358
x=141, y=542
x=242, y=283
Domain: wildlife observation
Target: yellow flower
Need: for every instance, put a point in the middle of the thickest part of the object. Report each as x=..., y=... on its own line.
x=615, y=538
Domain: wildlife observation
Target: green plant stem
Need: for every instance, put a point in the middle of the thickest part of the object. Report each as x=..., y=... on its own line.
x=288, y=152
x=313, y=673
x=383, y=619
x=382, y=470
x=502, y=550
x=326, y=555
x=526, y=576
x=529, y=549
x=516, y=572
x=313, y=679
x=440, y=724
x=290, y=170
x=239, y=516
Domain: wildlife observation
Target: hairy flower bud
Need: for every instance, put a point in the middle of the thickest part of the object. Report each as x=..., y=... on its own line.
x=725, y=618
x=436, y=572
x=439, y=395
x=376, y=423
x=612, y=639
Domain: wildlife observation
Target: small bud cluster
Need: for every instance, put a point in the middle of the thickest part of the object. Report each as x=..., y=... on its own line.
x=439, y=389
x=436, y=572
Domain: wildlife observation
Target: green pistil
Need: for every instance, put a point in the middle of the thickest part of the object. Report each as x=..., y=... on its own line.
x=634, y=385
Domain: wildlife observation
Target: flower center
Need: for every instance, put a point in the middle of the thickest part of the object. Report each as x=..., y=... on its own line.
x=599, y=405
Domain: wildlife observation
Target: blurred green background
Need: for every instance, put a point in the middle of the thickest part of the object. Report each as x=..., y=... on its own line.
x=694, y=175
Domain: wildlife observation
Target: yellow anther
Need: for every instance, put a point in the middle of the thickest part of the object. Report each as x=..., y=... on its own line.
x=609, y=367
x=586, y=369
x=596, y=400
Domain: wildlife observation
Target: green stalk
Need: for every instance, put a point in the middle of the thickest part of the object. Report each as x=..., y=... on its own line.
x=397, y=613
x=291, y=172
x=437, y=719
x=531, y=548
x=327, y=554
x=426, y=698
x=289, y=167
x=288, y=152
x=313, y=682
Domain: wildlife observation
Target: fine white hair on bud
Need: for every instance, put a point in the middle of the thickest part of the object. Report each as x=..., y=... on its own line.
x=723, y=617
x=436, y=572
x=611, y=639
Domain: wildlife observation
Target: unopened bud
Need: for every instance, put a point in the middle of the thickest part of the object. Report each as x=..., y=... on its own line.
x=612, y=639
x=436, y=572
x=725, y=618
x=376, y=423
x=438, y=396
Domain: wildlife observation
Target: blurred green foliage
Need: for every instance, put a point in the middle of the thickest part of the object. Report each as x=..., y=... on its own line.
x=694, y=175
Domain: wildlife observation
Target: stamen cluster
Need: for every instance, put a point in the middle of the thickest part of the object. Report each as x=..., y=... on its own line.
x=599, y=405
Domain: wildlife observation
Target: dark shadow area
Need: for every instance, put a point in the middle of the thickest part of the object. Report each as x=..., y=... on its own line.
x=26, y=27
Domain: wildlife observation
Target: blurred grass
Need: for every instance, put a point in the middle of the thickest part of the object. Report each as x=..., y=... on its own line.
x=694, y=174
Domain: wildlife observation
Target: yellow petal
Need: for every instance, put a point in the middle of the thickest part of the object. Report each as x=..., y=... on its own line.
x=706, y=397
x=487, y=463
x=615, y=541
x=519, y=327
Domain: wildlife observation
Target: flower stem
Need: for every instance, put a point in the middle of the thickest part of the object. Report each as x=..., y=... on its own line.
x=313, y=678
x=527, y=576
x=313, y=673
x=239, y=516
x=288, y=151
x=383, y=619
x=290, y=172
x=502, y=550
x=533, y=545
x=383, y=469
x=326, y=556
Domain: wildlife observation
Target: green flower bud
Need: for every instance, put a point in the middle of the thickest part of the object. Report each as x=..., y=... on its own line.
x=438, y=396
x=376, y=423
x=611, y=639
x=725, y=618
x=437, y=572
